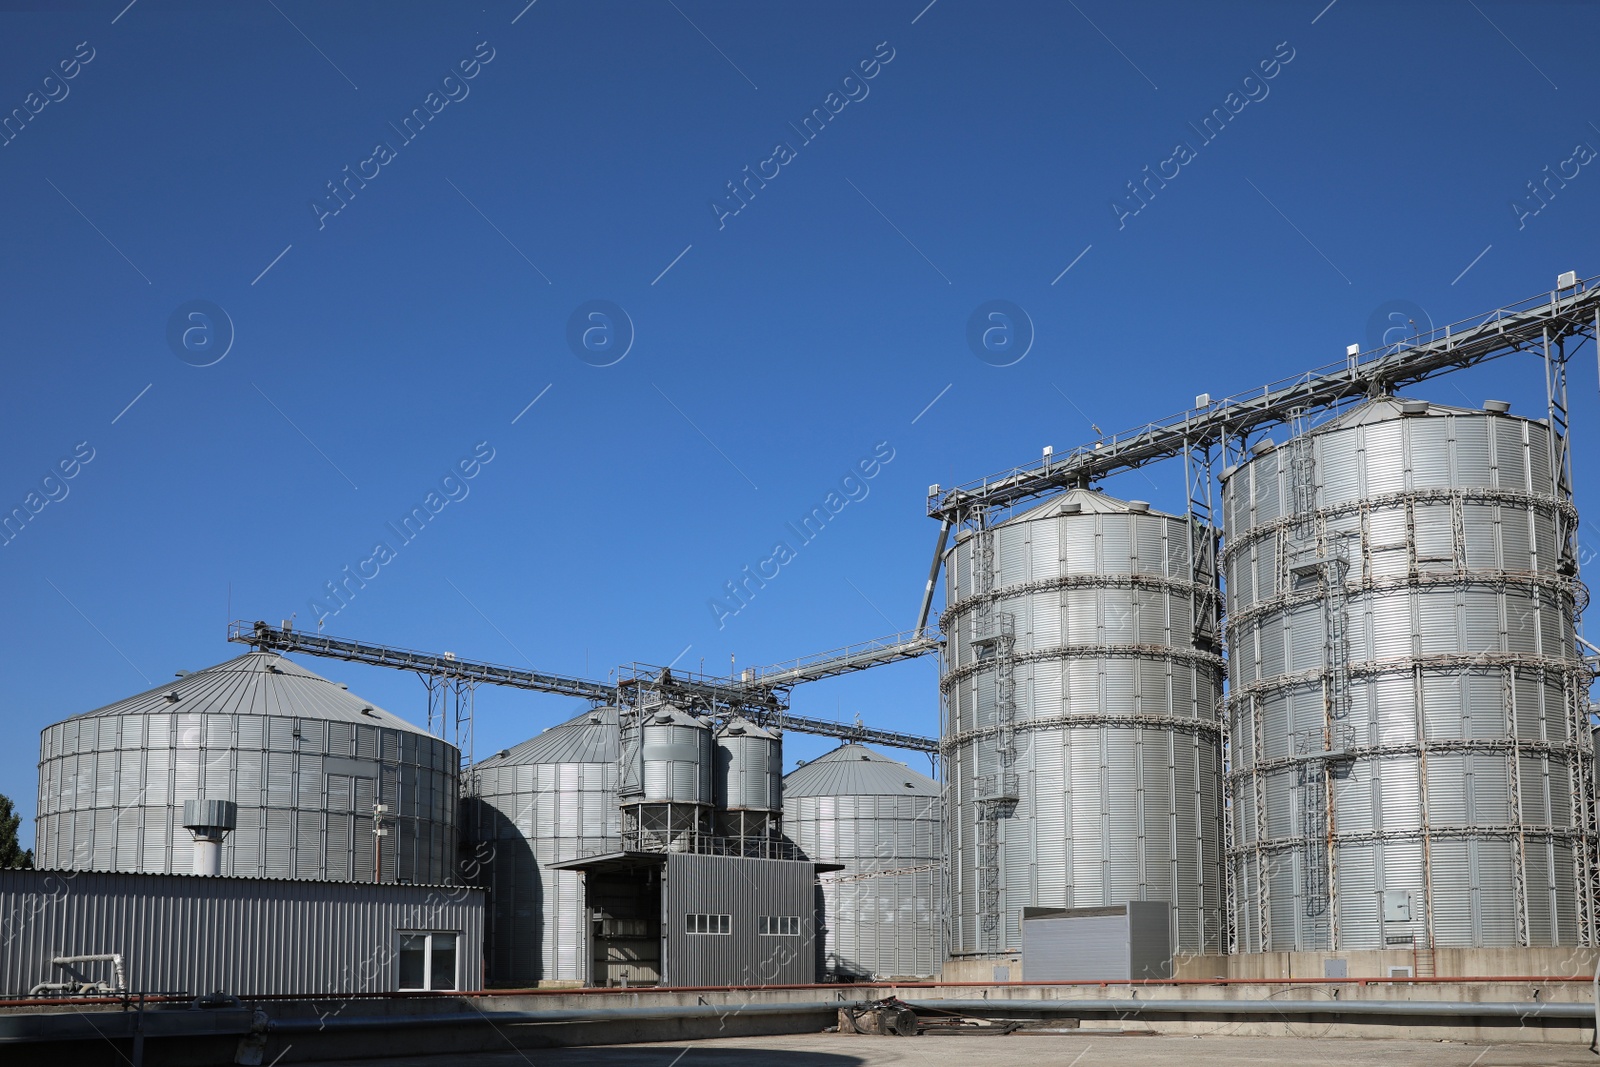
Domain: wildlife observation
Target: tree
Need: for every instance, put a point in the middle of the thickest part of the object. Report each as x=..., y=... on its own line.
x=11, y=853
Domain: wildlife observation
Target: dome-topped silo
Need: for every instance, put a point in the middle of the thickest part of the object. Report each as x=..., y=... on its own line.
x=1082, y=690
x=303, y=759
x=676, y=761
x=881, y=820
x=749, y=784
x=1406, y=700
x=550, y=798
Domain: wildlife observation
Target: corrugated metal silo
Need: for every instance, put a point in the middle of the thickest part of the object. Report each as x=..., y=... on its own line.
x=551, y=798
x=1406, y=703
x=749, y=780
x=1082, y=707
x=880, y=819
x=676, y=770
x=304, y=759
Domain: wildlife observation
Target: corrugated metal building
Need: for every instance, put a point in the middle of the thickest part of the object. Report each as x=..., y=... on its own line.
x=304, y=759
x=551, y=798
x=245, y=936
x=880, y=820
x=1409, y=753
x=685, y=919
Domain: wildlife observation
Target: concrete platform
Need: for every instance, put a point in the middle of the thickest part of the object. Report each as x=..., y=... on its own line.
x=1085, y=1049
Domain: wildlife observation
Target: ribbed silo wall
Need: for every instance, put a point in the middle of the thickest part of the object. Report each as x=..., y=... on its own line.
x=1459, y=792
x=885, y=926
x=111, y=793
x=524, y=817
x=677, y=760
x=1118, y=741
x=749, y=772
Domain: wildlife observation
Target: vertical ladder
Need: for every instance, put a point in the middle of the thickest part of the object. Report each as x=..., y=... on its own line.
x=997, y=793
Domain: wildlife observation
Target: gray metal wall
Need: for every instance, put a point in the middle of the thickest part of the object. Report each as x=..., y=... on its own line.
x=745, y=889
x=1469, y=769
x=1119, y=943
x=884, y=925
x=249, y=937
x=555, y=801
x=111, y=793
x=1117, y=722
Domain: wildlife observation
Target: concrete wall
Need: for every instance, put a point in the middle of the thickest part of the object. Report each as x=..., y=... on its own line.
x=1447, y=963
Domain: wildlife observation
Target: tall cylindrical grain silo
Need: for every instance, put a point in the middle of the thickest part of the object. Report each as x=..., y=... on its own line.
x=1409, y=755
x=550, y=798
x=302, y=758
x=749, y=786
x=1081, y=716
x=881, y=821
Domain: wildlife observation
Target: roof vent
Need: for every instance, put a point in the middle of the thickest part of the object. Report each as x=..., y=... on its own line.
x=1263, y=446
x=503, y=753
x=172, y=698
x=1413, y=407
x=368, y=711
x=1498, y=407
x=1071, y=508
x=341, y=685
x=1140, y=506
x=182, y=674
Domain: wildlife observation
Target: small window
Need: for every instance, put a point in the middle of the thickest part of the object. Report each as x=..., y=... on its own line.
x=427, y=960
x=779, y=925
x=700, y=923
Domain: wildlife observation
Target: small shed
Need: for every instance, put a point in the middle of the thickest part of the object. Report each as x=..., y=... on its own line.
x=1114, y=943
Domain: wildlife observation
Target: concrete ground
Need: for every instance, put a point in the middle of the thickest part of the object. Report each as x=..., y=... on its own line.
x=1082, y=1049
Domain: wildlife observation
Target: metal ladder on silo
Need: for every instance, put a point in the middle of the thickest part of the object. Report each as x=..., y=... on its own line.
x=997, y=793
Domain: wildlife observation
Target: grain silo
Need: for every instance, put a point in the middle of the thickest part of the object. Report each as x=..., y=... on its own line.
x=749, y=786
x=1406, y=703
x=880, y=819
x=304, y=760
x=674, y=769
x=1082, y=719
x=551, y=798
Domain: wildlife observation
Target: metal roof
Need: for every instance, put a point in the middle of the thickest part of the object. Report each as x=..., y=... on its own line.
x=742, y=727
x=592, y=737
x=256, y=683
x=855, y=770
x=1087, y=501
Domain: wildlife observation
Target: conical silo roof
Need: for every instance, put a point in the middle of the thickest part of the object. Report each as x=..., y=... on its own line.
x=256, y=683
x=1086, y=501
x=855, y=770
x=592, y=737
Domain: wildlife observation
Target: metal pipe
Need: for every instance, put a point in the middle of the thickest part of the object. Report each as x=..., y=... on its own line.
x=933, y=575
x=556, y=1016
x=113, y=958
x=1443, y=1008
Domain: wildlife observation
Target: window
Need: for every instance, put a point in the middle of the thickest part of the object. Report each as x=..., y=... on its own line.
x=698, y=923
x=779, y=925
x=427, y=960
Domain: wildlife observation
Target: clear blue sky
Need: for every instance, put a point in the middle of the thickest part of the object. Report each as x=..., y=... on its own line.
x=774, y=348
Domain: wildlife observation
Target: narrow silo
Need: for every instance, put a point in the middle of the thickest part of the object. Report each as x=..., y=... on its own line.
x=1409, y=755
x=672, y=812
x=550, y=798
x=303, y=759
x=1082, y=721
x=749, y=786
x=881, y=820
